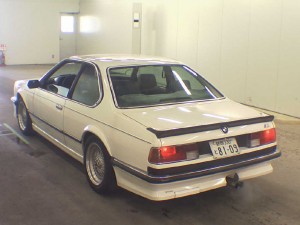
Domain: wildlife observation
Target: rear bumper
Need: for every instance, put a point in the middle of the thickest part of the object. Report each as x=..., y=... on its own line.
x=173, y=174
x=182, y=188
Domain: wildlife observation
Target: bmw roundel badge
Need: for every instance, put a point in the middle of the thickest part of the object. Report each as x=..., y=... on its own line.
x=224, y=129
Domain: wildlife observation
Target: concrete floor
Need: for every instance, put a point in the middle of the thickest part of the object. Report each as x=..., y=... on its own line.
x=39, y=184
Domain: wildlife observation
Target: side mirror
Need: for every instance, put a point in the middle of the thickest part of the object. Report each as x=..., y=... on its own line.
x=33, y=84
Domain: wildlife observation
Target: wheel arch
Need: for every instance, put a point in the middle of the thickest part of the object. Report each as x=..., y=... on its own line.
x=90, y=131
x=109, y=181
x=25, y=124
x=19, y=96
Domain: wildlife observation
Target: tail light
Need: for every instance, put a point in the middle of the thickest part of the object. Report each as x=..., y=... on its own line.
x=263, y=137
x=168, y=154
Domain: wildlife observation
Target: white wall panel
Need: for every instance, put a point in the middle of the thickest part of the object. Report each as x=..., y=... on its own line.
x=114, y=27
x=234, y=50
x=166, y=26
x=209, y=40
x=287, y=91
x=187, y=40
x=249, y=49
x=148, y=33
x=31, y=29
x=264, y=47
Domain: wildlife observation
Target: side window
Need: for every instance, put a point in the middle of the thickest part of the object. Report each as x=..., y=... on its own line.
x=87, y=89
x=60, y=82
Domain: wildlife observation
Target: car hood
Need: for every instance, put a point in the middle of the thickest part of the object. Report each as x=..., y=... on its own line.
x=191, y=114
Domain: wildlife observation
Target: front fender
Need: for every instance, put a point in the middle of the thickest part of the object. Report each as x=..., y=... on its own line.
x=21, y=91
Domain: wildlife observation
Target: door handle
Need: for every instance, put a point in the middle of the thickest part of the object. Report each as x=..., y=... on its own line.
x=59, y=107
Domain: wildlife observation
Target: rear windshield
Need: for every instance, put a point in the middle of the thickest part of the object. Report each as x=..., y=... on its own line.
x=137, y=86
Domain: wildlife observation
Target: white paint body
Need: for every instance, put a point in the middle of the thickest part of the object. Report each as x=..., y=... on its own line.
x=126, y=138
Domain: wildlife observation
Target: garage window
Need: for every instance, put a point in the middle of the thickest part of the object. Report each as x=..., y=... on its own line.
x=67, y=24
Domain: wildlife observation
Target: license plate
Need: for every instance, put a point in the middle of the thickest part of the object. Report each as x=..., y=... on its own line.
x=223, y=148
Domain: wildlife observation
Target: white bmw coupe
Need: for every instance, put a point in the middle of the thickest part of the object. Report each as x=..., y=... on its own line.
x=153, y=126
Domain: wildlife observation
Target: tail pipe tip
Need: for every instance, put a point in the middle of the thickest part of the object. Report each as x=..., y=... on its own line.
x=233, y=181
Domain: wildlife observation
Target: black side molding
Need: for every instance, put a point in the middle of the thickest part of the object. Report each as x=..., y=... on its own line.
x=209, y=127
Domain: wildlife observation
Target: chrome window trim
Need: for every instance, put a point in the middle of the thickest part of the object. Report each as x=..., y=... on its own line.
x=59, y=65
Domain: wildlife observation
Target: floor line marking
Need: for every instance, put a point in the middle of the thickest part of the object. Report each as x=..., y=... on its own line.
x=15, y=133
x=2, y=135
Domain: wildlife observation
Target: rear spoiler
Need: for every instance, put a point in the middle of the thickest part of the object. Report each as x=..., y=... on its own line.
x=209, y=127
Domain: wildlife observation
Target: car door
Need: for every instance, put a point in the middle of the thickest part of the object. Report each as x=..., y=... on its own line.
x=80, y=107
x=50, y=98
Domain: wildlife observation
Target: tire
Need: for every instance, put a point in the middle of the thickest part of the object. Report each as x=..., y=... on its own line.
x=98, y=168
x=23, y=118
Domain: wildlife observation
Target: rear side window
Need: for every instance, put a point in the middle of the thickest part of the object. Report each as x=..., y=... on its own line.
x=87, y=89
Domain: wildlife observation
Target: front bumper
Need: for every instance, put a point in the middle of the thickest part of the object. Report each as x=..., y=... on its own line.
x=14, y=99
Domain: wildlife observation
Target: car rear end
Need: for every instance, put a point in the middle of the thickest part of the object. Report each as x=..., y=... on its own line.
x=214, y=148
x=203, y=139
x=197, y=159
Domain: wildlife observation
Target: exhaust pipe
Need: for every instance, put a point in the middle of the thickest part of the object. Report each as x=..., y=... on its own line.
x=234, y=181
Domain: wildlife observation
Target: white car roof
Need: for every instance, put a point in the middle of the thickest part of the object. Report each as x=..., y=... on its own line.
x=120, y=60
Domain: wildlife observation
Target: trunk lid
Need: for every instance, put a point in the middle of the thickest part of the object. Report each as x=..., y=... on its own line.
x=178, y=116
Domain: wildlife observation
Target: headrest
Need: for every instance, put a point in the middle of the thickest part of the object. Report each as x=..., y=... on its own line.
x=147, y=81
